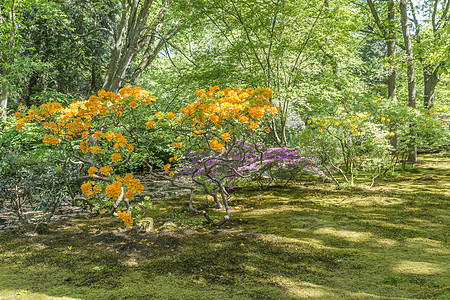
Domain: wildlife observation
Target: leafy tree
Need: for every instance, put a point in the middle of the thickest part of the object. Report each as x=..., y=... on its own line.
x=143, y=29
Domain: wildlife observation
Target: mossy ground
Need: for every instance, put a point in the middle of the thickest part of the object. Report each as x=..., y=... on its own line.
x=389, y=242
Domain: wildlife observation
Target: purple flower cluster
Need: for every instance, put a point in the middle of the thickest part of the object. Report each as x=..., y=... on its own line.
x=243, y=160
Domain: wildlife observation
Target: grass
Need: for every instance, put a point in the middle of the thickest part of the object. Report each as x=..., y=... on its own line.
x=296, y=242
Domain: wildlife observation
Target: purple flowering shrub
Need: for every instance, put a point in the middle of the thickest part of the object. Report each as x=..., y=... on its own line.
x=281, y=163
x=216, y=172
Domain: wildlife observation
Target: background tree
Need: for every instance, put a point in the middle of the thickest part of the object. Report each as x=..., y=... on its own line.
x=143, y=29
x=387, y=31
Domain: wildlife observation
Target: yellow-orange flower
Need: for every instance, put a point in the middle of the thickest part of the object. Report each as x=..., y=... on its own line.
x=105, y=170
x=226, y=137
x=128, y=222
x=98, y=134
x=167, y=167
x=253, y=125
x=86, y=187
x=18, y=115
x=130, y=148
x=97, y=189
x=129, y=195
x=216, y=145
x=95, y=149
x=267, y=130
x=214, y=118
x=114, y=190
x=84, y=146
x=150, y=124
x=133, y=104
x=92, y=170
x=116, y=157
x=243, y=119
x=109, y=135
x=256, y=112
x=51, y=141
x=171, y=174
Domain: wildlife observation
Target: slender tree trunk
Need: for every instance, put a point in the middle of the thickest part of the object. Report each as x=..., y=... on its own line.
x=392, y=75
x=412, y=155
x=388, y=31
x=391, y=41
x=4, y=101
x=11, y=19
x=431, y=79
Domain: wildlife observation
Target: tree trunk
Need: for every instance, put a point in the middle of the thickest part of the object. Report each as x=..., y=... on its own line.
x=391, y=41
x=412, y=149
x=387, y=29
x=7, y=57
x=431, y=79
x=4, y=101
x=135, y=35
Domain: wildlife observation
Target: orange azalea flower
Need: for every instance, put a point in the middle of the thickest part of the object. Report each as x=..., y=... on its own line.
x=18, y=115
x=116, y=157
x=150, y=124
x=92, y=170
x=267, y=130
x=256, y=112
x=128, y=222
x=114, y=190
x=133, y=104
x=130, y=148
x=98, y=134
x=97, y=189
x=95, y=149
x=243, y=119
x=84, y=146
x=129, y=195
x=226, y=137
x=105, y=170
x=167, y=167
x=214, y=118
x=171, y=174
x=253, y=125
x=109, y=135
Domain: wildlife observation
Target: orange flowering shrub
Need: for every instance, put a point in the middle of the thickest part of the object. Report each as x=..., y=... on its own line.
x=96, y=134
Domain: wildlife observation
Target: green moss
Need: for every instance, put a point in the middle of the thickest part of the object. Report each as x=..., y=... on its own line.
x=283, y=243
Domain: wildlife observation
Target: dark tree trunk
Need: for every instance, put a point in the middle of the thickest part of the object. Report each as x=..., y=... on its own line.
x=412, y=148
x=431, y=79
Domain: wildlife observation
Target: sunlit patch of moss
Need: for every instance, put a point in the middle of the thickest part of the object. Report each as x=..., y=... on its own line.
x=418, y=267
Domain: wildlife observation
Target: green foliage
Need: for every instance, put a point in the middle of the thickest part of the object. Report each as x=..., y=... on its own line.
x=368, y=136
x=27, y=186
x=26, y=142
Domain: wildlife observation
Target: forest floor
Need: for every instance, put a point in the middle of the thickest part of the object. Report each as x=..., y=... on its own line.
x=294, y=242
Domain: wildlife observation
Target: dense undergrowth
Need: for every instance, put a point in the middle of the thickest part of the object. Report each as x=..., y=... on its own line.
x=293, y=242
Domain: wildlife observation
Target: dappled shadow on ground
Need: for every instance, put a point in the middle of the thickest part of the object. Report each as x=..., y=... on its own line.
x=390, y=242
